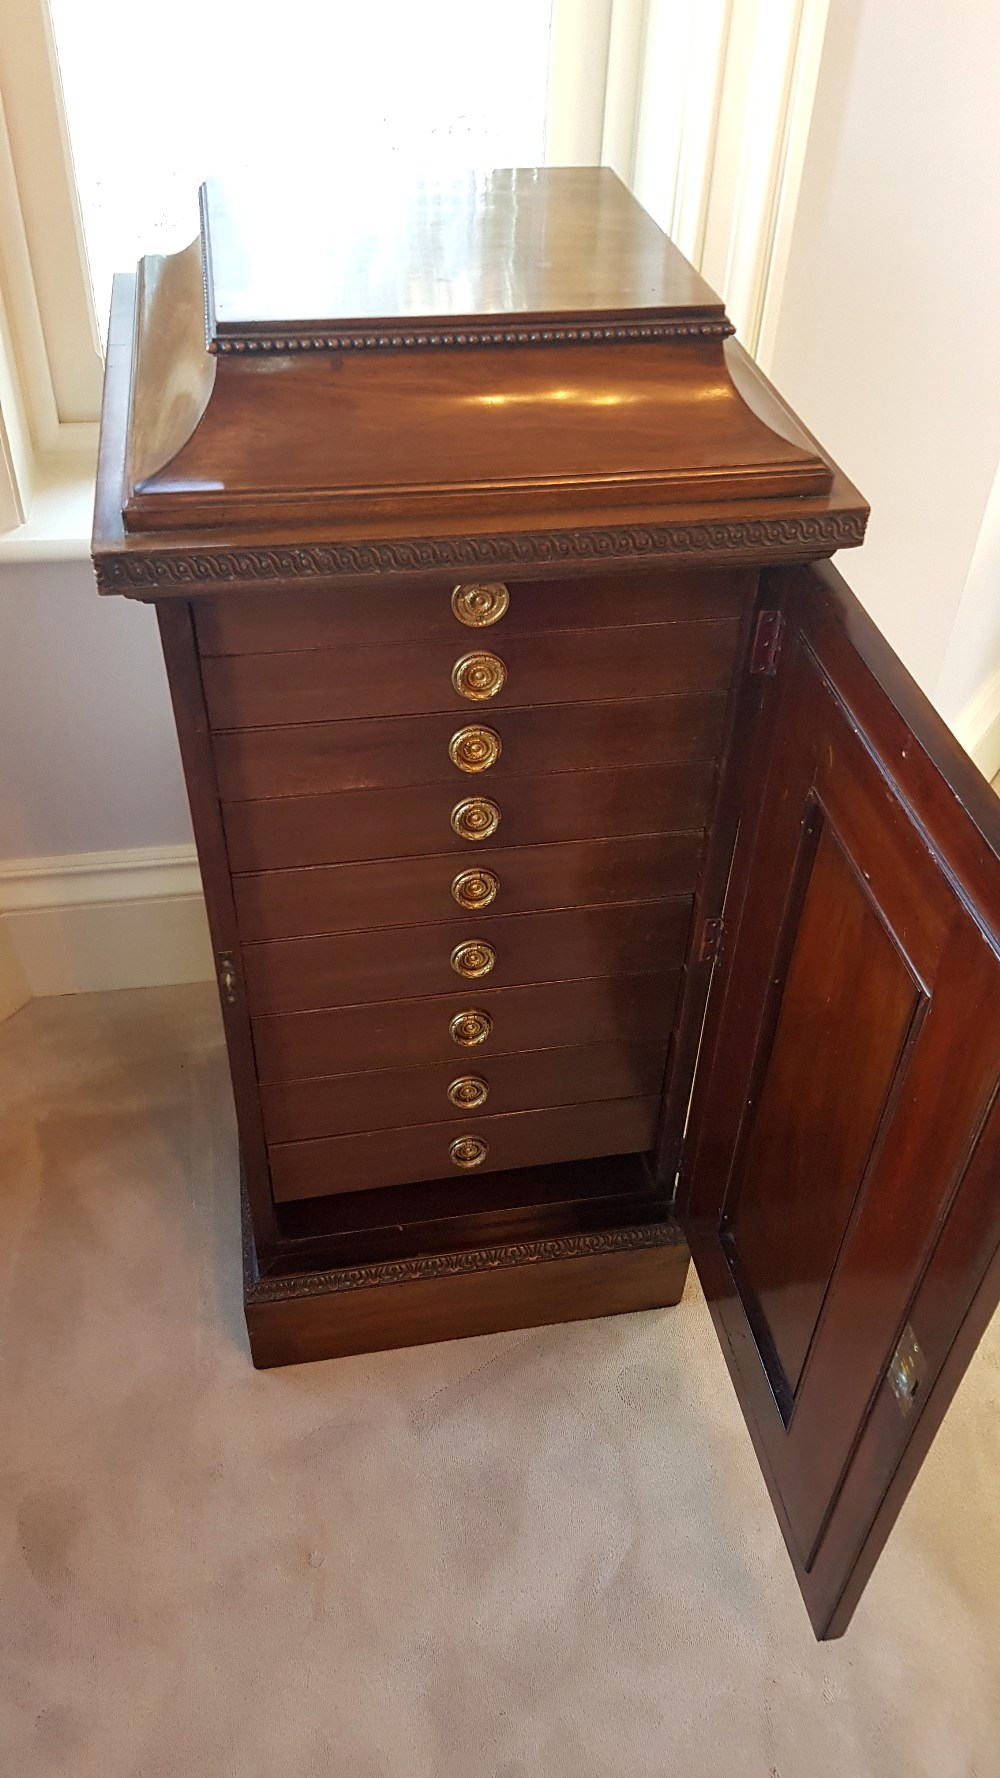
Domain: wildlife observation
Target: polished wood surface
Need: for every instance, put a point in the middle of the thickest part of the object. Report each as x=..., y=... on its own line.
x=257, y=623
x=609, y=399
x=338, y=1105
x=409, y=1303
x=305, y=1169
x=296, y=975
x=312, y=758
x=531, y=879
x=402, y=822
x=526, y=242
x=597, y=482
x=836, y=1172
x=383, y=438
x=411, y=678
x=181, y=658
x=406, y=1033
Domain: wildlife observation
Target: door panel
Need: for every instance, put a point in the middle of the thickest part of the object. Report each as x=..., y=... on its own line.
x=835, y=1181
x=848, y=1002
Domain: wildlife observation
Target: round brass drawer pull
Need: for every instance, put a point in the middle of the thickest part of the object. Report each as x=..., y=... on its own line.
x=474, y=749
x=482, y=603
x=475, y=888
x=468, y=1151
x=469, y=1028
x=468, y=1092
x=479, y=676
x=475, y=818
x=473, y=958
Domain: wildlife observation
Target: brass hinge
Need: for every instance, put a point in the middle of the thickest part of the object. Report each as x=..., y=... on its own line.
x=227, y=977
x=907, y=1370
x=713, y=935
x=766, y=645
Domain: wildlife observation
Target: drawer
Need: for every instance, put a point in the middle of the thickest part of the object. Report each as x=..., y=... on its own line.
x=528, y=879
x=415, y=1033
x=294, y=1110
x=298, y=974
x=270, y=623
x=334, y=756
x=414, y=678
x=282, y=832
x=424, y=1151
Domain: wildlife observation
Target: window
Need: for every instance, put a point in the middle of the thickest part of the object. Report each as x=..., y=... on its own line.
x=702, y=106
x=314, y=93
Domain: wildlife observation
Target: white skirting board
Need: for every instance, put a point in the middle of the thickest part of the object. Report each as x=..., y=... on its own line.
x=136, y=919
x=978, y=727
x=133, y=919
x=14, y=990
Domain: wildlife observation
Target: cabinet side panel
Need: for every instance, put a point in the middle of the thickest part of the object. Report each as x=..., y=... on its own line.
x=187, y=695
x=731, y=765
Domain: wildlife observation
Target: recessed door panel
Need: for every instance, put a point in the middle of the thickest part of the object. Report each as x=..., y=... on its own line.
x=839, y=1173
x=848, y=1003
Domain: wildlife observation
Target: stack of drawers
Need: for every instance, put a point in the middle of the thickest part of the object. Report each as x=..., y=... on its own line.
x=465, y=826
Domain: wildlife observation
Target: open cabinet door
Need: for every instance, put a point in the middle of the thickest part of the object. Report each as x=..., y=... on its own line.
x=840, y=1179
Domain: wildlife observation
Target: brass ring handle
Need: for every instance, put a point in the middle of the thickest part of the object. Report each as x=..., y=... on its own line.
x=479, y=676
x=468, y=1092
x=474, y=889
x=475, y=818
x=468, y=1151
x=481, y=603
x=473, y=958
x=474, y=749
x=469, y=1028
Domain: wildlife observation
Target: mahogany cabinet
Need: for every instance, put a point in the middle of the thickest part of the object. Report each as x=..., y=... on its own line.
x=589, y=884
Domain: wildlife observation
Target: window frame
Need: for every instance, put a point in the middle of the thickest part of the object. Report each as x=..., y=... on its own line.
x=721, y=176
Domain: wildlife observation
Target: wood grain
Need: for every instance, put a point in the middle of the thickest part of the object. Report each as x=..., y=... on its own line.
x=294, y=975
x=320, y=757
x=520, y=1139
x=851, y=1081
x=354, y=616
x=353, y=897
x=294, y=1110
x=408, y=1033
x=562, y=1285
x=415, y=678
x=405, y=821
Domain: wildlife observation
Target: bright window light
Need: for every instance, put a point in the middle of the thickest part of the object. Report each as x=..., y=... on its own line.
x=157, y=99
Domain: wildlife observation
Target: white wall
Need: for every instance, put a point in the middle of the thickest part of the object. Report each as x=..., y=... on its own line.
x=98, y=883
x=886, y=334
x=88, y=754
x=885, y=343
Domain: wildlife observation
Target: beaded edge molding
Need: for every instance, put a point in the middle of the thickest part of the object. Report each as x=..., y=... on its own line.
x=469, y=336
x=428, y=1267
x=820, y=531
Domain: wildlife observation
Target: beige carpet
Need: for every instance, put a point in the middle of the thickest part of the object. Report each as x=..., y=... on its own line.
x=544, y=1553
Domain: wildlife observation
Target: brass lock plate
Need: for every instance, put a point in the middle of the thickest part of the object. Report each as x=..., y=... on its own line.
x=907, y=1370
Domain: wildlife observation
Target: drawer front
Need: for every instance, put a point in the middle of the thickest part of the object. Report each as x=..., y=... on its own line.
x=285, y=832
x=335, y=756
x=425, y=1151
x=269, y=623
x=411, y=1033
x=300, y=974
x=295, y=1110
x=414, y=678
x=528, y=879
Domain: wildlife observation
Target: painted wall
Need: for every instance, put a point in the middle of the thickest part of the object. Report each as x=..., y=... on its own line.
x=88, y=754
x=884, y=344
x=886, y=336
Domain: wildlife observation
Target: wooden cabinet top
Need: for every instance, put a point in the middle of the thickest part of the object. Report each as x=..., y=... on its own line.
x=421, y=264
x=511, y=369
